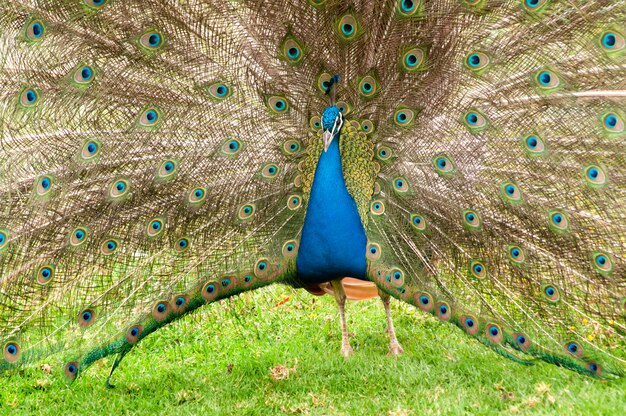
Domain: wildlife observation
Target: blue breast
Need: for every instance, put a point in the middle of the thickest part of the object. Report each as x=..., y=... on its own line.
x=333, y=240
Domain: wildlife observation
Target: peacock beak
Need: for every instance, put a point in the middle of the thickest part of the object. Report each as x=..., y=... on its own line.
x=327, y=138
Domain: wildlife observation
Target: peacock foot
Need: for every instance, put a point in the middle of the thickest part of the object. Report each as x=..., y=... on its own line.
x=395, y=349
x=346, y=350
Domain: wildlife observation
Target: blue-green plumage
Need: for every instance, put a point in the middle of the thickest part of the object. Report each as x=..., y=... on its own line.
x=333, y=238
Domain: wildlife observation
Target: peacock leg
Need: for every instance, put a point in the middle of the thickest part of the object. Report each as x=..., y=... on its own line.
x=394, y=346
x=340, y=297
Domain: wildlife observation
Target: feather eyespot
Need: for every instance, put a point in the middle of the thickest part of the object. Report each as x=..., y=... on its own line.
x=44, y=186
x=384, y=153
x=294, y=202
x=29, y=97
x=602, y=262
x=396, y=277
x=377, y=207
x=86, y=318
x=522, y=341
x=78, y=236
x=403, y=117
x=167, y=170
x=278, y=104
x=475, y=121
x=414, y=59
x=35, y=30
x=348, y=28
x=197, y=196
x=511, y=192
x=574, y=349
x=471, y=220
x=409, y=8
x=292, y=50
x=90, y=150
x=418, y=222
x=246, y=211
x=344, y=107
x=290, y=248
x=595, y=176
x=149, y=117
x=44, y=274
x=155, y=227
x=84, y=75
x=373, y=252
x=95, y=4
x=444, y=165
x=470, y=324
x=534, y=5
x=558, y=221
x=478, y=270
x=151, y=41
x=594, y=368
x=477, y=61
x=424, y=301
x=443, y=311
x=494, y=333
x=315, y=123
x=551, y=293
x=219, y=91
x=71, y=369
x=210, y=290
x=179, y=303
x=534, y=145
x=368, y=86
x=292, y=147
x=133, y=334
x=269, y=171
x=161, y=310
x=401, y=185
x=323, y=82
x=119, y=189
x=613, y=123
x=4, y=239
x=547, y=80
x=367, y=126
x=109, y=246
x=231, y=147
x=516, y=254
x=261, y=268
x=182, y=244
x=612, y=42
x=12, y=352
x=247, y=279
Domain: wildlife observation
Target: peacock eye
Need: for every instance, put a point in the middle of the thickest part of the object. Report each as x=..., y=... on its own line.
x=278, y=104
x=35, y=30
x=403, y=117
x=149, y=117
x=547, y=80
x=292, y=51
x=151, y=41
x=29, y=97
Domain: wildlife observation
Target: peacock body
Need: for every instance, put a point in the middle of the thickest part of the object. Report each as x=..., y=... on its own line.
x=466, y=156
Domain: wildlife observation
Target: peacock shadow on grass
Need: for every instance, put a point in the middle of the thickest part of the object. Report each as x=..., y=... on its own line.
x=219, y=360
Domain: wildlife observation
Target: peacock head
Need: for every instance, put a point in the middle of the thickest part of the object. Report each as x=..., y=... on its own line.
x=332, y=120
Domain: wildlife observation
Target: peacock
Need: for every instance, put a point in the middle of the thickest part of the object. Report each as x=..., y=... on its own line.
x=466, y=157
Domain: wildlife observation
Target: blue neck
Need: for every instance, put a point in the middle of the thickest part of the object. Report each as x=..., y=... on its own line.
x=333, y=239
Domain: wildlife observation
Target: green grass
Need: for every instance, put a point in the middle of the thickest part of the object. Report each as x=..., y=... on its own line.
x=220, y=361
